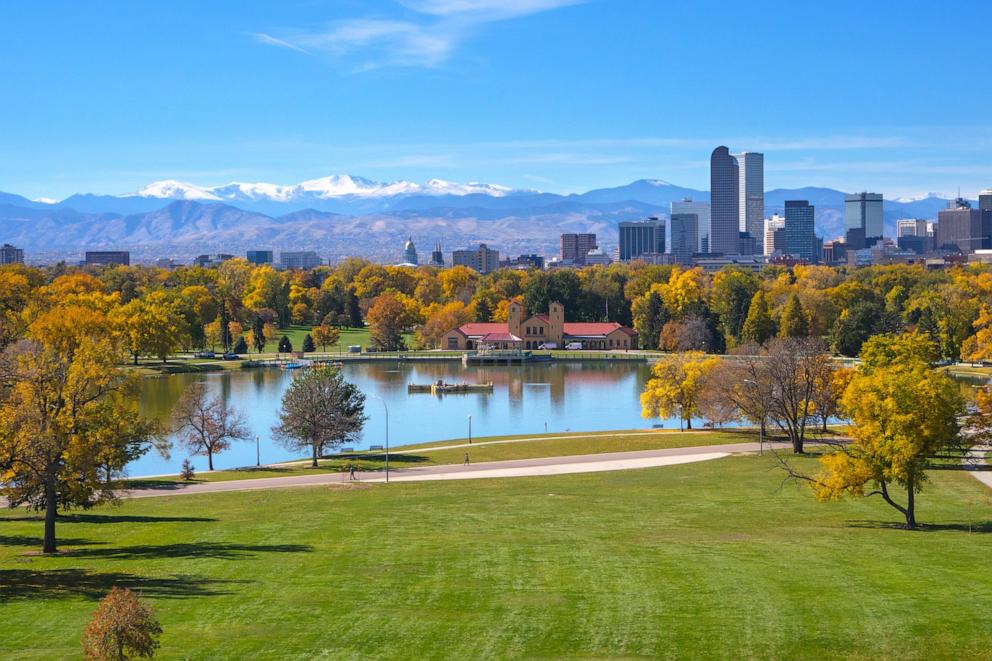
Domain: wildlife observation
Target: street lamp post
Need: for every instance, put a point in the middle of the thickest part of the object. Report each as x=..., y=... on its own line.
x=258, y=453
x=761, y=426
x=470, y=429
x=387, y=433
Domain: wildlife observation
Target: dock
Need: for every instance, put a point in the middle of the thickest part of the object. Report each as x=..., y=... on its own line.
x=504, y=357
x=442, y=388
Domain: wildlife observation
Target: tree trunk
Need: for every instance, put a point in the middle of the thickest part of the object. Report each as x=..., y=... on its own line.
x=51, y=512
x=825, y=430
x=313, y=464
x=688, y=423
x=136, y=358
x=910, y=505
x=210, y=460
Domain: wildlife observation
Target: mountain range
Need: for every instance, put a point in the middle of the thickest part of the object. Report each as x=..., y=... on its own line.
x=346, y=215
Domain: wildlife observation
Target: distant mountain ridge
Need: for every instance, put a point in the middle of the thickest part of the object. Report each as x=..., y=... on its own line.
x=343, y=214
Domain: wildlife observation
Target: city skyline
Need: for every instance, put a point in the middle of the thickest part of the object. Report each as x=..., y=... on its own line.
x=403, y=90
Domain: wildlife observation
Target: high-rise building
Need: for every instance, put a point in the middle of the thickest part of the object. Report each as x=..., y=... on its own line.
x=641, y=237
x=11, y=255
x=800, y=236
x=304, y=260
x=963, y=227
x=776, y=222
x=481, y=259
x=437, y=257
x=685, y=234
x=911, y=227
x=912, y=234
x=751, y=166
x=410, y=252
x=107, y=258
x=985, y=200
x=260, y=257
x=864, y=210
x=725, y=208
x=209, y=261
x=575, y=247
x=702, y=212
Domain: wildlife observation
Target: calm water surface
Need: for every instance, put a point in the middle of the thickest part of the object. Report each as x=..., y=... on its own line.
x=565, y=396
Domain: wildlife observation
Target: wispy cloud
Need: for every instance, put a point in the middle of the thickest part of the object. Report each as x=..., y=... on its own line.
x=427, y=39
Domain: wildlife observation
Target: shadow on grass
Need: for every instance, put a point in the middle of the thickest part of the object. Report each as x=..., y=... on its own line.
x=393, y=458
x=27, y=540
x=262, y=469
x=147, y=484
x=958, y=466
x=976, y=526
x=213, y=550
x=56, y=583
x=127, y=518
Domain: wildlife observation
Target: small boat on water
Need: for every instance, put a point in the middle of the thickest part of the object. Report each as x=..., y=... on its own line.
x=295, y=365
x=442, y=388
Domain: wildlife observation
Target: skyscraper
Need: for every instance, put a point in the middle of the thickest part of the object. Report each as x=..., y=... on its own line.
x=685, y=231
x=963, y=227
x=11, y=255
x=260, y=257
x=800, y=236
x=702, y=212
x=725, y=208
x=575, y=247
x=985, y=200
x=776, y=222
x=864, y=211
x=641, y=237
x=752, y=193
x=437, y=257
x=482, y=259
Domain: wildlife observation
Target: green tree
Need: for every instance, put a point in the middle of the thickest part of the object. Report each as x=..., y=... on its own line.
x=650, y=316
x=285, y=346
x=758, y=326
x=858, y=323
x=308, y=346
x=902, y=413
x=240, y=347
x=730, y=299
x=793, y=322
x=258, y=333
x=320, y=410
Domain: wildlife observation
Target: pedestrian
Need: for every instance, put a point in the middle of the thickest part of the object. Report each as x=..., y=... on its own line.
x=351, y=471
x=466, y=458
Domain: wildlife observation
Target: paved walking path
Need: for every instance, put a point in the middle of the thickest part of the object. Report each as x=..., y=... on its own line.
x=974, y=461
x=492, y=469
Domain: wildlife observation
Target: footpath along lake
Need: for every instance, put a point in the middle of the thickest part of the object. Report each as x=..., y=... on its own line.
x=576, y=396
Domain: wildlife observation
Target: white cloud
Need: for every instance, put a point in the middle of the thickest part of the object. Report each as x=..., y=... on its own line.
x=427, y=40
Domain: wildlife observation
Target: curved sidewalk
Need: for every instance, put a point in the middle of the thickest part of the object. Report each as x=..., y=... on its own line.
x=974, y=462
x=543, y=466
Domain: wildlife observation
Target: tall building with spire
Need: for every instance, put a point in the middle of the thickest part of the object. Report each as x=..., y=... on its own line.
x=410, y=252
x=437, y=257
x=725, y=206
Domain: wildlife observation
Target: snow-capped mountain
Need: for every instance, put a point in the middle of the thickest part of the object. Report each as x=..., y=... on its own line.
x=326, y=188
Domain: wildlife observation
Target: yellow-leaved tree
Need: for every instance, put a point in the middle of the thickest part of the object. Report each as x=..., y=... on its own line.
x=677, y=381
x=902, y=412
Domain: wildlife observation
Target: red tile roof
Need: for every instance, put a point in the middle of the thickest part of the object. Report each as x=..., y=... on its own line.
x=501, y=337
x=482, y=329
x=584, y=329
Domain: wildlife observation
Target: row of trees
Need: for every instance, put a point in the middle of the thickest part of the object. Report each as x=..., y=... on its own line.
x=673, y=309
x=901, y=411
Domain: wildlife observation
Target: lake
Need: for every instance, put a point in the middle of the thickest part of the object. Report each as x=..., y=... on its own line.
x=559, y=396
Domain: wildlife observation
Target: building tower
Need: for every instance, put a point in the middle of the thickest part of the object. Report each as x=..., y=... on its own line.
x=437, y=257
x=752, y=193
x=515, y=318
x=864, y=211
x=800, y=236
x=556, y=326
x=410, y=252
x=685, y=231
x=725, y=208
x=641, y=237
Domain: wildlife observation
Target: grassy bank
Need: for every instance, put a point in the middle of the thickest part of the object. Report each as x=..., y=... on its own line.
x=492, y=448
x=710, y=560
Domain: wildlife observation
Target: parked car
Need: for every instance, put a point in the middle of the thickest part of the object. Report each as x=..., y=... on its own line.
x=573, y=346
x=231, y=356
x=204, y=354
x=354, y=348
x=548, y=346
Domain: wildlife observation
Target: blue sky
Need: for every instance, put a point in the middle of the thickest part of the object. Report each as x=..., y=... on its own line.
x=560, y=95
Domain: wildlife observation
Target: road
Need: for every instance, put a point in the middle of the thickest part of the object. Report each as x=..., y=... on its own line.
x=543, y=466
x=975, y=462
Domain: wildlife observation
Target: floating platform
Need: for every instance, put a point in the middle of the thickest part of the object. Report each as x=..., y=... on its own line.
x=450, y=388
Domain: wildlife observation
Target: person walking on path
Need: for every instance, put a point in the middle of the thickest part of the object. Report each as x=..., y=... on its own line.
x=351, y=472
x=466, y=459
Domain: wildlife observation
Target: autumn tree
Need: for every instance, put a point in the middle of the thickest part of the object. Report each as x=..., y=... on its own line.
x=440, y=320
x=205, y=425
x=154, y=326
x=675, y=386
x=831, y=384
x=68, y=415
x=320, y=410
x=793, y=367
x=902, y=412
x=387, y=319
x=326, y=336
x=123, y=627
x=978, y=347
x=743, y=382
x=793, y=322
x=758, y=326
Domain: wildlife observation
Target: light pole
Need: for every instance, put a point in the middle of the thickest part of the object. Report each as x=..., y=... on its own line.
x=761, y=426
x=387, y=433
x=258, y=453
x=470, y=429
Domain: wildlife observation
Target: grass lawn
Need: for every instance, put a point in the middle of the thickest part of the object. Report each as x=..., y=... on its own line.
x=550, y=445
x=708, y=560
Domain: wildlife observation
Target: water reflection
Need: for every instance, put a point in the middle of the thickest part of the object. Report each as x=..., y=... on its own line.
x=565, y=396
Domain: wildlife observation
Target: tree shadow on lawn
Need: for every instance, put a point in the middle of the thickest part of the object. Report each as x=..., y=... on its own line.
x=55, y=583
x=393, y=458
x=958, y=465
x=129, y=518
x=213, y=550
x=27, y=540
x=975, y=526
x=151, y=484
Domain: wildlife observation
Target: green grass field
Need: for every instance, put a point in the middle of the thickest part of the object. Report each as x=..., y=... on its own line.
x=709, y=560
x=482, y=449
